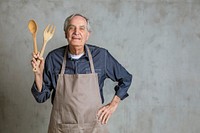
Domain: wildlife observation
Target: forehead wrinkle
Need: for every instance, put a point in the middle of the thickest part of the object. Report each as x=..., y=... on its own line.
x=76, y=26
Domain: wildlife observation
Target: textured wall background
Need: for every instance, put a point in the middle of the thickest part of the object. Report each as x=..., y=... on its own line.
x=158, y=41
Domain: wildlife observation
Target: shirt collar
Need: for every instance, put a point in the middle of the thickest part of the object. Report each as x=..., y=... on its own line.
x=84, y=56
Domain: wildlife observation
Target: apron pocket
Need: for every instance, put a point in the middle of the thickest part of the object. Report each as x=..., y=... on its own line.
x=68, y=128
x=82, y=128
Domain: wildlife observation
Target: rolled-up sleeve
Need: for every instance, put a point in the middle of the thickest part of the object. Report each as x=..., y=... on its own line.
x=45, y=93
x=116, y=72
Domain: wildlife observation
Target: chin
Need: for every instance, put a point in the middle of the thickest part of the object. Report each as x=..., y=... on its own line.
x=76, y=44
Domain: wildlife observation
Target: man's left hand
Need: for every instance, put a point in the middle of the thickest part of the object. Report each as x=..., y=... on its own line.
x=106, y=111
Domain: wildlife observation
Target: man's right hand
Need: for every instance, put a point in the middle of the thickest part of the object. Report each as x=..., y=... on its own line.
x=37, y=64
x=38, y=67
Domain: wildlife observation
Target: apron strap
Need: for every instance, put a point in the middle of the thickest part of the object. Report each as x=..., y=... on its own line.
x=64, y=61
x=90, y=60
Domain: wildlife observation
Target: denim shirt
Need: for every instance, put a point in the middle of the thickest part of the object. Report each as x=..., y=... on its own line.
x=104, y=63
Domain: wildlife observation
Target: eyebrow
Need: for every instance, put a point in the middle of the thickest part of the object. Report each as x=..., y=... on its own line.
x=75, y=26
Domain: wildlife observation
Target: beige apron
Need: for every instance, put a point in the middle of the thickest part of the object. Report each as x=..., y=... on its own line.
x=76, y=103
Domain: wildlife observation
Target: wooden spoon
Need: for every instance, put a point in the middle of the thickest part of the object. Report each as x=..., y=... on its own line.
x=32, y=26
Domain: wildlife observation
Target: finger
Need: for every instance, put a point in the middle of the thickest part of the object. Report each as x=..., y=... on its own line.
x=100, y=111
x=34, y=60
x=35, y=55
x=105, y=117
x=41, y=58
x=102, y=116
x=106, y=121
x=33, y=64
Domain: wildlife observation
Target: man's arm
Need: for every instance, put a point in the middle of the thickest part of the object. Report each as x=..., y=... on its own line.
x=38, y=67
x=41, y=88
x=116, y=72
x=38, y=70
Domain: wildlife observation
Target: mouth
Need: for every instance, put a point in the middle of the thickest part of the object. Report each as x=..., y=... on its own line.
x=76, y=38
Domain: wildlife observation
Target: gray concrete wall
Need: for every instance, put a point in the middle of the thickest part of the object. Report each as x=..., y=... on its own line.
x=158, y=41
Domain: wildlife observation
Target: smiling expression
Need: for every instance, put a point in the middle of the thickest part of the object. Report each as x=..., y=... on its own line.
x=77, y=33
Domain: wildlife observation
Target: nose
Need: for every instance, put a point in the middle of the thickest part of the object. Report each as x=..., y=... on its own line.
x=76, y=31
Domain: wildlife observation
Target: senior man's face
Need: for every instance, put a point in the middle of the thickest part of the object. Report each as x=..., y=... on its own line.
x=77, y=33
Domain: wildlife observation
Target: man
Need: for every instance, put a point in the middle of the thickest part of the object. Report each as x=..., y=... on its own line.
x=76, y=73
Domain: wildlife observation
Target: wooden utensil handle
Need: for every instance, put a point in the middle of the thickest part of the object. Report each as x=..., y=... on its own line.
x=35, y=44
x=43, y=48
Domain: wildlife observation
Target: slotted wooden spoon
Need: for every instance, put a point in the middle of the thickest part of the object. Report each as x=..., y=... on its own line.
x=47, y=35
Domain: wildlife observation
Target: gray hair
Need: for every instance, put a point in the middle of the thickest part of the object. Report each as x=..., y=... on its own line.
x=67, y=20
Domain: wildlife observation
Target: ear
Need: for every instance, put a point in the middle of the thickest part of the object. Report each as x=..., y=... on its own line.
x=66, y=35
x=88, y=35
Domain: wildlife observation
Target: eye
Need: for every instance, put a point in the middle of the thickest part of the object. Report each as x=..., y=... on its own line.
x=82, y=28
x=71, y=28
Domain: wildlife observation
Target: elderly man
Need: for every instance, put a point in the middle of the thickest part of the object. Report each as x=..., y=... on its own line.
x=76, y=73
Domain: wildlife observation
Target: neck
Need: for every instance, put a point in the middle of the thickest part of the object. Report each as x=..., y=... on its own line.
x=76, y=50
